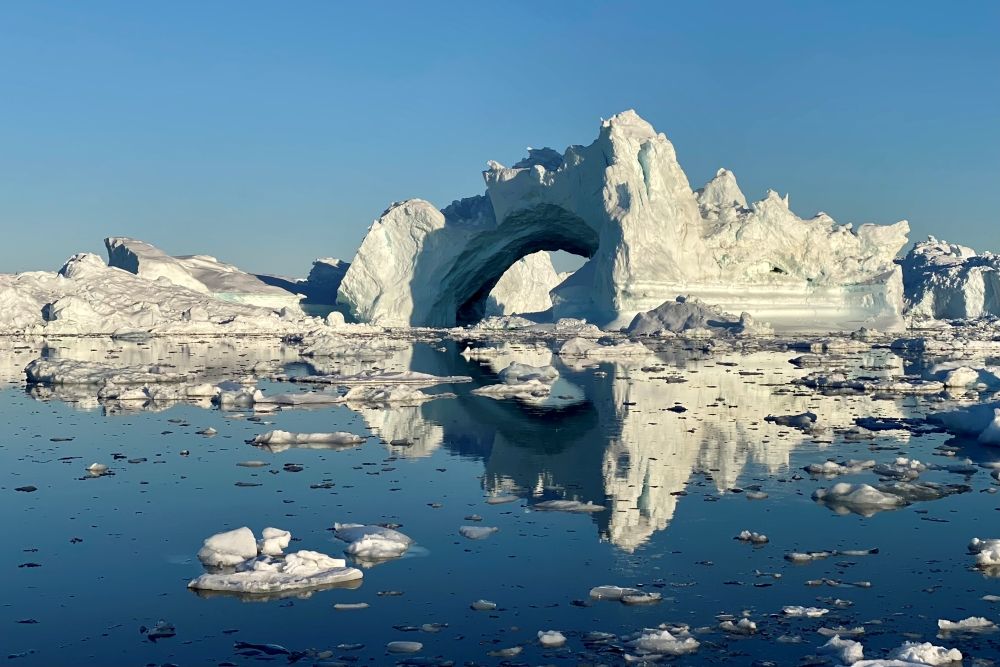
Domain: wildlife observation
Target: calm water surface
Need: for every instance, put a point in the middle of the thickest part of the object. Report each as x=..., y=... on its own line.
x=88, y=561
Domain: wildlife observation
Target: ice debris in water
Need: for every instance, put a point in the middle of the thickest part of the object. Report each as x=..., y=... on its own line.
x=805, y=612
x=926, y=654
x=551, y=638
x=664, y=642
x=476, y=532
x=567, y=506
x=863, y=497
x=751, y=537
x=742, y=627
x=372, y=543
x=239, y=566
x=987, y=552
x=228, y=548
x=483, y=605
x=832, y=468
x=970, y=624
x=404, y=647
x=847, y=651
x=805, y=421
x=278, y=437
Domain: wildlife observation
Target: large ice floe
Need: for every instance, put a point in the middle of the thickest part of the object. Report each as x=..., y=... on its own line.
x=625, y=204
x=238, y=563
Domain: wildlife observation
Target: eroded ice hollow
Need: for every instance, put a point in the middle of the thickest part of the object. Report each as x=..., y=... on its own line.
x=625, y=204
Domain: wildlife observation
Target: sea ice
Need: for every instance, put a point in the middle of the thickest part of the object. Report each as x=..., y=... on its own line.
x=551, y=638
x=372, y=543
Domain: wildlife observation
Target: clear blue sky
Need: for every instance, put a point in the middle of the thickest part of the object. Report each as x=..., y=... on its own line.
x=272, y=133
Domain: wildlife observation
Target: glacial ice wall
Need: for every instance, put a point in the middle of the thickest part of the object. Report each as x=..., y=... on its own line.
x=625, y=203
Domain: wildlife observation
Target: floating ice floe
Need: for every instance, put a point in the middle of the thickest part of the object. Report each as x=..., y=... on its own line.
x=987, y=552
x=521, y=381
x=751, y=537
x=551, y=638
x=567, y=506
x=372, y=543
x=832, y=468
x=379, y=377
x=476, y=532
x=483, y=605
x=865, y=499
x=589, y=349
x=926, y=654
x=804, y=612
x=744, y=626
x=833, y=382
x=805, y=421
x=847, y=651
x=901, y=468
x=278, y=438
x=69, y=371
x=861, y=498
x=246, y=568
x=656, y=642
x=973, y=624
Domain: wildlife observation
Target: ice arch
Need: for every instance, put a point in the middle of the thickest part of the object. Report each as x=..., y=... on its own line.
x=624, y=202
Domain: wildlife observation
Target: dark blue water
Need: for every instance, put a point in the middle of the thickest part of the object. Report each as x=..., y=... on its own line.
x=115, y=553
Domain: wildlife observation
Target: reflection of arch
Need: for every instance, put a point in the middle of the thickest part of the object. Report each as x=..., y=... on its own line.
x=462, y=295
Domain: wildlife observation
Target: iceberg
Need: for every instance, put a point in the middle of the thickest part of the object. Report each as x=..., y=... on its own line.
x=946, y=281
x=625, y=204
x=201, y=273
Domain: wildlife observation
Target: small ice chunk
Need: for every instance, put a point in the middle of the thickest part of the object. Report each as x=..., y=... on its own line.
x=970, y=624
x=926, y=654
x=484, y=605
x=847, y=651
x=567, y=506
x=804, y=612
x=97, y=469
x=862, y=498
x=751, y=537
x=372, y=542
x=228, y=548
x=987, y=552
x=742, y=627
x=612, y=592
x=278, y=437
x=663, y=642
x=477, y=532
x=551, y=638
x=274, y=542
x=404, y=647
x=641, y=598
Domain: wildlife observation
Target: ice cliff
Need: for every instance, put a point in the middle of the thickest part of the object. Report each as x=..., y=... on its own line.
x=945, y=281
x=625, y=203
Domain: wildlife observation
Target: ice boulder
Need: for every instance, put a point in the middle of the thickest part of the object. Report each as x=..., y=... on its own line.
x=229, y=548
x=624, y=203
x=947, y=281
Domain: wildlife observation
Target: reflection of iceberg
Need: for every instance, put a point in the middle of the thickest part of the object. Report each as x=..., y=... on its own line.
x=656, y=451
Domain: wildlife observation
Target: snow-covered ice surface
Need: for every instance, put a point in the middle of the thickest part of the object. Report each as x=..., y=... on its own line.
x=664, y=455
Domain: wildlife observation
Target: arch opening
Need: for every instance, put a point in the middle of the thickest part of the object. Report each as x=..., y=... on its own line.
x=477, y=271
